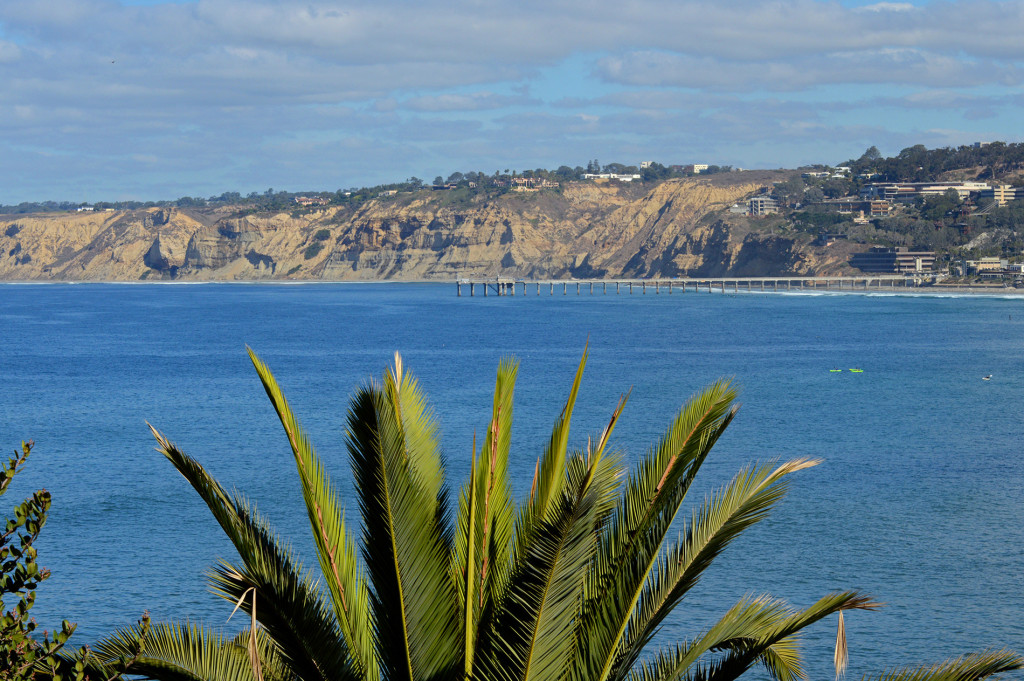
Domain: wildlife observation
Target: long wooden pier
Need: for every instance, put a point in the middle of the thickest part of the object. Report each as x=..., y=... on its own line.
x=509, y=287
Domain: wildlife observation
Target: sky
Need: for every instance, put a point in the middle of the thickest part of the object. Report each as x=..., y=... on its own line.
x=150, y=100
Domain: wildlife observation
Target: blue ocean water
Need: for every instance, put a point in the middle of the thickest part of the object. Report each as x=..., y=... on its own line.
x=918, y=502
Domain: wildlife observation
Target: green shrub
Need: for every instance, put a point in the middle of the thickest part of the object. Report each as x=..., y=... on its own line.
x=23, y=656
x=313, y=250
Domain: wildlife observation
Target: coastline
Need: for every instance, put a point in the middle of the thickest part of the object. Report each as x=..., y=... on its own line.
x=925, y=290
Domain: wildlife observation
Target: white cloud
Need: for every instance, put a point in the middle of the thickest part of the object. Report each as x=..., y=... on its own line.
x=905, y=66
x=216, y=87
x=476, y=101
x=886, y=7
x=378, y=47
x=9, y=52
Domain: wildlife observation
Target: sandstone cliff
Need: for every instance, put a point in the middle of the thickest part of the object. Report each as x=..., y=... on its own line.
x=586, y=230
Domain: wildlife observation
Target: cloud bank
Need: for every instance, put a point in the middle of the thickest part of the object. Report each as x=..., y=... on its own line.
x=104, y=100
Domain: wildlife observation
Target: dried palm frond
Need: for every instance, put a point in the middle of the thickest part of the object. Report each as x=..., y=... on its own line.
x=842, y=656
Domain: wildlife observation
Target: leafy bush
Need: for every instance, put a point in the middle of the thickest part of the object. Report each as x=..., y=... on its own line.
x=313, y=250
x=23, y=657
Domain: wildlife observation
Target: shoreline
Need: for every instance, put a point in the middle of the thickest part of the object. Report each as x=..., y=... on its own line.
x=939, y=289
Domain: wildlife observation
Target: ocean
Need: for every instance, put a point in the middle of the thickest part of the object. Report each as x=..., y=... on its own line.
x=918, y=502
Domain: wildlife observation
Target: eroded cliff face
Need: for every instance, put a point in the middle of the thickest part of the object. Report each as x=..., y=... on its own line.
x=586, y=230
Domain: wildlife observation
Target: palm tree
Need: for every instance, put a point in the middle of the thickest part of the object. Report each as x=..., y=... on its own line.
x=571, y=584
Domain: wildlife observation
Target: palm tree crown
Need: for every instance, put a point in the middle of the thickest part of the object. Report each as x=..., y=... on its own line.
x=571, y=584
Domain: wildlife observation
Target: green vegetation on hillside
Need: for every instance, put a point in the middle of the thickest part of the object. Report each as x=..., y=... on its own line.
x=472, y=183
x=945, y=224
x=994, y=160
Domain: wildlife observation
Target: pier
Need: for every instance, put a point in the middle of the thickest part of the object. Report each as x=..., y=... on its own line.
x=511, y=287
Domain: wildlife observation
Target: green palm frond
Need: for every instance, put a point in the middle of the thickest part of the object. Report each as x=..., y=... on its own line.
x=336, y=549
x=963, y=668
x=480, y=562
x=548, y=474
x=636, y=532
x=406, y=545
x=747, y=621
x=183, y=652
x=274, y=664
x=285, y=605
x=755, y=630
x=781, y=638
x=571, y=585
x=290, y=604
x=528, y=640
x=745, y=501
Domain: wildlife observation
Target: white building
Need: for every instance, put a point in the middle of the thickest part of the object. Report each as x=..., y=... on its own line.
x=908, y=191
x=610, y=176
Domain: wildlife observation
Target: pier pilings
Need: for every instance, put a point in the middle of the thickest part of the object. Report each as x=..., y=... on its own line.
x=508, y=287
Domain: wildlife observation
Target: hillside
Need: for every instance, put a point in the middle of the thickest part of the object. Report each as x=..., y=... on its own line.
x=585, y=229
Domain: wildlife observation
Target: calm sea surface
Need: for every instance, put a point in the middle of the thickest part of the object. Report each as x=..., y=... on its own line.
x=918, y=503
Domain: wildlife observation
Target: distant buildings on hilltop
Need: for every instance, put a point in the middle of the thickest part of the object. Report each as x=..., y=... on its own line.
x=611, y=176
x=311, y=200
x=532, y=184
x=904, y=192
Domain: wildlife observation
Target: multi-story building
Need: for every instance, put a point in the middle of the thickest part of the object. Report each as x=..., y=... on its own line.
x=893, y=260
x=876, y=208
x=908, y=191
x=985, y=266
x=762, y=205
x=1002, y=194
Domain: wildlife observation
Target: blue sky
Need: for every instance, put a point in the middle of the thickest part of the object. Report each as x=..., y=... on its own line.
x=145, y=99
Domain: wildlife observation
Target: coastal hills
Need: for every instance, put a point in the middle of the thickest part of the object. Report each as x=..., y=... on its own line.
x=582, y=229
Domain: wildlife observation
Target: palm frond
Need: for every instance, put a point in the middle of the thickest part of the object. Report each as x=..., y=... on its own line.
x=480, y=562
x=755, y=630
x=275, y=664
x=747, y=620
x=571, y=586
x=745, y=501
x=468, y=587
x=530, y=639
x=636, y=531
x=548, y=475
x=406, y=546
x=782, y=635
x=842, y=655
x=336, y=549
x=291, y=606
x=964, y=668
x=182, y=652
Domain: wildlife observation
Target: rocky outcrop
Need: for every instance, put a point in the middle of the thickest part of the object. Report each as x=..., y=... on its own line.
x=586, y=230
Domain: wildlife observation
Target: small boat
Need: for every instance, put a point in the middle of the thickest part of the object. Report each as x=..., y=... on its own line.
x=987, y=378
x=857, y=371
x=835, y=371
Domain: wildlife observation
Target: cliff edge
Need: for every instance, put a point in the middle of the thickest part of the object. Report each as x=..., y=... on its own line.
x=583, y=230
